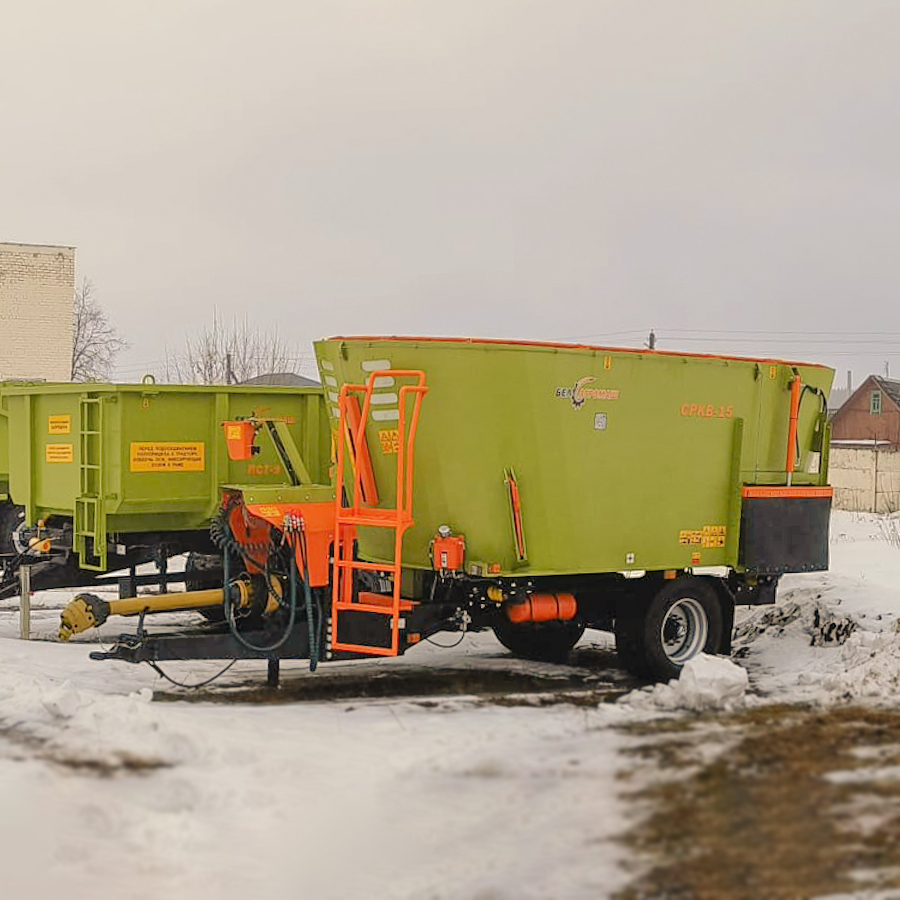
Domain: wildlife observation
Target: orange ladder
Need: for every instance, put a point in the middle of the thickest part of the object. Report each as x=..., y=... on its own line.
x=363, y=510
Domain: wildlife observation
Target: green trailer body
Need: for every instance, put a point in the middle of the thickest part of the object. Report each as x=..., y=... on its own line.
x=554, y=488
x=142, y=458
x=623, y=460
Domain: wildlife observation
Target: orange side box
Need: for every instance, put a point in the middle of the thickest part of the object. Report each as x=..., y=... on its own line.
x=239, y=437
x=449, y=553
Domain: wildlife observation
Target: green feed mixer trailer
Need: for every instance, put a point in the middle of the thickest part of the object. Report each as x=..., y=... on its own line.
x=533, y=489
x=100, y=477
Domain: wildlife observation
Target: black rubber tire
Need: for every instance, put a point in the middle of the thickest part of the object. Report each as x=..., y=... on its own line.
x=540, y=641
x=639, y=639
x=11, y=516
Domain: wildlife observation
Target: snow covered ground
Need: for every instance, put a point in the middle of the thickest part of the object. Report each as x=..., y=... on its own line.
x=833, y=636
x=104, y=792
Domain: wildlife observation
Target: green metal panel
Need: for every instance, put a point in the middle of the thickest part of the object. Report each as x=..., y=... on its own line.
x=89, y=451
x=625, y=460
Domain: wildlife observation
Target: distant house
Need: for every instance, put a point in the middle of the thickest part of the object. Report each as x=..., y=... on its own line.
x=871, y=415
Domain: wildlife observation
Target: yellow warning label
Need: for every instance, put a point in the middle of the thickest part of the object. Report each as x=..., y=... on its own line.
x=59, y=424
x=713, y=536
x=709, y=537
x=267, y=511
x=168, y=456
x=389, y=439
x=233, y=432
x=59, y=453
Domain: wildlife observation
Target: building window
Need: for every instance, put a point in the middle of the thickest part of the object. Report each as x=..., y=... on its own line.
x=875, y=403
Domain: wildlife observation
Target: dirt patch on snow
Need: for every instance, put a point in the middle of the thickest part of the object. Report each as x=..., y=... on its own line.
x=18, y=745
x=777, y=802
x=591, y=675
x=488, y=685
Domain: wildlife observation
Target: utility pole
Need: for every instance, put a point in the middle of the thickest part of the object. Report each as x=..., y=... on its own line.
x=651, y=341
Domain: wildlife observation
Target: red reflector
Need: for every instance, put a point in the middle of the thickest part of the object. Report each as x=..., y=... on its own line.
x=774, y=492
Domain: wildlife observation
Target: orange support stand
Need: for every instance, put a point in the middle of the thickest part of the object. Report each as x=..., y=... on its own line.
x=352, y=514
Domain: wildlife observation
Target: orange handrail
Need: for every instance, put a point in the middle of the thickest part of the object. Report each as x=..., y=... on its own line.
x=352, y=425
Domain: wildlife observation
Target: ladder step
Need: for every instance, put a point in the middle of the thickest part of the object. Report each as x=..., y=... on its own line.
x=367, y=649
x=374, y=512
x=377, y=602
x=374, y=521
x=372, y=610
x=368, y=567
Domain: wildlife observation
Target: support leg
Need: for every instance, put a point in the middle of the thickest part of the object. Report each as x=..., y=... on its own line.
x=274, y=675
x=25, y=602
x=163, y=566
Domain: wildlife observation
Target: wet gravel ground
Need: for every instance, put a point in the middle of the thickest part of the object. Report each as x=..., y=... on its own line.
x=778, y=803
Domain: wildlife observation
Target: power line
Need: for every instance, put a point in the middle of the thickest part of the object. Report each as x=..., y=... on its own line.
x=574, y=337
x=726, y=333
x=794, y=342
x=777, y=332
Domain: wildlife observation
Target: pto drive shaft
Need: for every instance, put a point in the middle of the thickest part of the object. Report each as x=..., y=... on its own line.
x=88, y=610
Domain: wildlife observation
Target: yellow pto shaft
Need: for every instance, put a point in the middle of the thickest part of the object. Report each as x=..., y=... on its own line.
x=88, y=610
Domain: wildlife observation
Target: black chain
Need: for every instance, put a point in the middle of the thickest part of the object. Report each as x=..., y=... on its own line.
x=223, y=537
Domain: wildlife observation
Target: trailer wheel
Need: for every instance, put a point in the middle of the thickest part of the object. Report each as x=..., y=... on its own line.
x=679, y=622
x=543, y=641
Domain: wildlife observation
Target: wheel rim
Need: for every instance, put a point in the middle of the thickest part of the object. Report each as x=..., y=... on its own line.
x=684, y=630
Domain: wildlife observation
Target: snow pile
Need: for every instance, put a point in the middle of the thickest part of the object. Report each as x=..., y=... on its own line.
x=868, y=668
x=706, y=683
x=807, y=651
x=83, y=727
x=813, y=618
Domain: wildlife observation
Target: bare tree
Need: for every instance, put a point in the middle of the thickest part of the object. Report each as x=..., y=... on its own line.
x=96, y=343
x=222, y=354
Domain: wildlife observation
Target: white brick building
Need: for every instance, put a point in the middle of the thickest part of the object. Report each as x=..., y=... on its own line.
x=37, y=294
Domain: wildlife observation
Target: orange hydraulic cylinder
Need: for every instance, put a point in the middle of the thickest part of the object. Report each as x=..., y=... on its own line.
x=544, y=608
x=359, y=456
x=796, y=388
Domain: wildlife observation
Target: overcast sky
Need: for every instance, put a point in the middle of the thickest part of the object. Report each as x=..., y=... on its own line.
x=583, y=169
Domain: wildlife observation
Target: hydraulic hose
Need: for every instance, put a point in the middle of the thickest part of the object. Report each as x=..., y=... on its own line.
x=229, y=611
